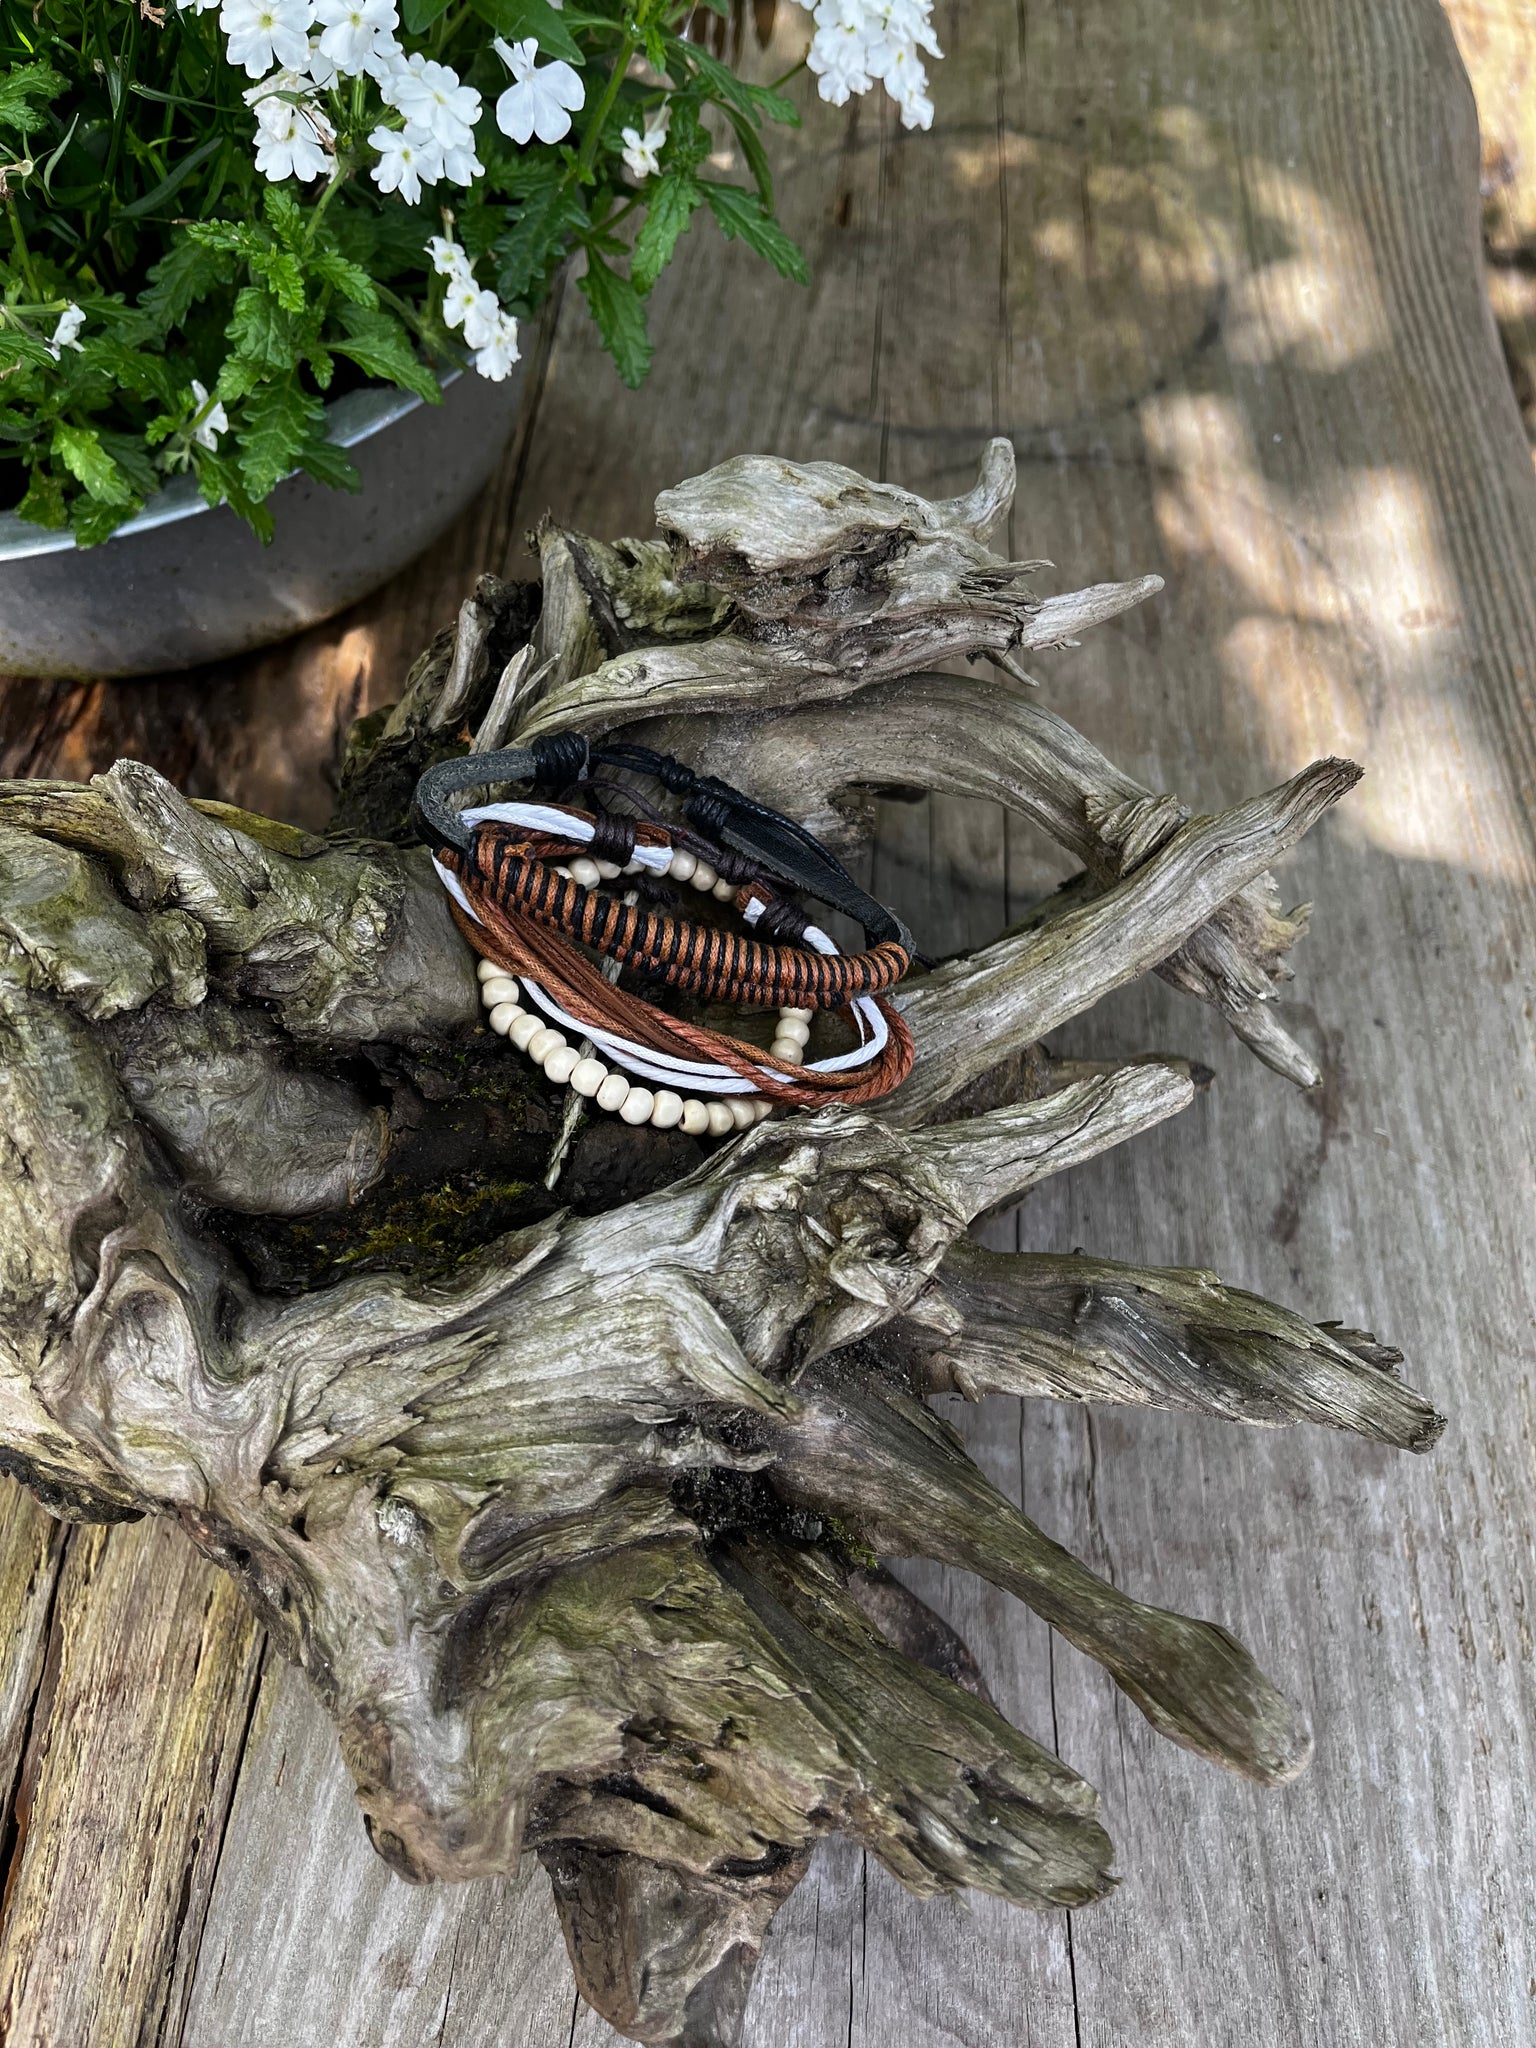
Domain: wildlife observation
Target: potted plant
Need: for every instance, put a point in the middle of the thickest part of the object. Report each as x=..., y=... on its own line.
x=246, y=243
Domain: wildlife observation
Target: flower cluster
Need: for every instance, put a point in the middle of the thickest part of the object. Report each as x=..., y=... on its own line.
x=434, y=137
x=859, y=41
x=489, y=331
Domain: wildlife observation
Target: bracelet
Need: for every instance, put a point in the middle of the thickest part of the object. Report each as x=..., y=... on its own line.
x=525, y=881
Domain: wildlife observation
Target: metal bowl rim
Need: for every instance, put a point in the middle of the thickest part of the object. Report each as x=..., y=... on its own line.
x=355, y=418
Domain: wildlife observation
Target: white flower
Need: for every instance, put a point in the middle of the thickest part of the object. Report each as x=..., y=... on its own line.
x=449, y=258
x=495, y=360
x=642, y=152
x=71, y=320
x=461, y=166
x=292, y=144
x=266, y=32
x=541, y=102
x=322, y=72
x=431, y=97
x=353, y=31
x=208, y=421
x=408, y=159
x=291, y=137
x=477, y=311
x=202, y=6
x=858, y=41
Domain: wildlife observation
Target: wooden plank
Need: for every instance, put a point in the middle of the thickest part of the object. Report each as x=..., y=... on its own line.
x=124, y=1786
x=31, y=1547
x=1497, y=41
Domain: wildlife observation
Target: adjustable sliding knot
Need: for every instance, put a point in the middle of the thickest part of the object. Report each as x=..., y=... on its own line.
x=559, y=759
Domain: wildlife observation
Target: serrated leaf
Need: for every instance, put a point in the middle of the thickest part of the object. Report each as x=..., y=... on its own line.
x=132, y=458
x=673, y=198
x=527, y=251
x=43, y=502
x=139, y=370
x=741, y=217
x=261, y=331
x=279, y=420
x=720, y=81
x=17, y=349
x=330, y=465
x=221, y=483
x=285, y=216
x=187, y=273
x=280, y=273
x=81, y=452
x=620, y=316
x=24, y=91
x=517, y=19
x=756, y=156
x=91, y=521
x=379, y=345
x=350, y=279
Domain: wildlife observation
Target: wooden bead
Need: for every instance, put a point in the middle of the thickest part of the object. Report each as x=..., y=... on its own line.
x=720, y=1120
x=695, y=1118
x=666, y=1110
x=523, y=1028
x=794, y=1031
x=724, y=891
x=637, y=1106
x=503, y=1017
x=682, y=864
x=612, y=1093
x=561, y=1063
x=586, y=872
x=797, y=1016
x=764, y=1109
x=543, y=1043
x=500, y=988
x=587, y=1076
x=486, y=968
x=788, y=1049
x=742, y=1112
x=703, y=876
x=609, y=870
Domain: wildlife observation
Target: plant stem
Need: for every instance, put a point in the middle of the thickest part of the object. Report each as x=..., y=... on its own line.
x=24, y=254
x=594, y=128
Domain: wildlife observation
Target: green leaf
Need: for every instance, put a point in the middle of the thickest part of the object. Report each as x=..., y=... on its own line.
x=261, y=331
x=43, y=503
x=516, y=19
x=187, y=273
x=756, y=156
x=279, y=421
x=379, y=345
x=284, y=216
x=24, y=91
x=537, y=238
x=142, y=371
x=350, y=279
x=172, y=181
x=81, y=452
x=221, y=483
x=17, y=349
x=722, y=84
x=132, y=458
x=330, y=465
x=280, y=273
x=741, y=216
x=420, y=14
x=92, y=522
x=672, y=200
x=620, y=315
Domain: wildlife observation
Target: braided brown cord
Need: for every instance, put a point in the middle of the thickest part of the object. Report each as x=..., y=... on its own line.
x=509, y=867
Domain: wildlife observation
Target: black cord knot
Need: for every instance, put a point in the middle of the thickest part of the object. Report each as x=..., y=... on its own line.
x=559, y=759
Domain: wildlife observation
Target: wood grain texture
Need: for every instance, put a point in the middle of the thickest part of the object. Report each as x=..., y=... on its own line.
x=124, y=1787
x=1497, y=41
x=1217, y=274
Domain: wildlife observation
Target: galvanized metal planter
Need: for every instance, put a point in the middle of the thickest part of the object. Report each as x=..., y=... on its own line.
x=182, y=583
